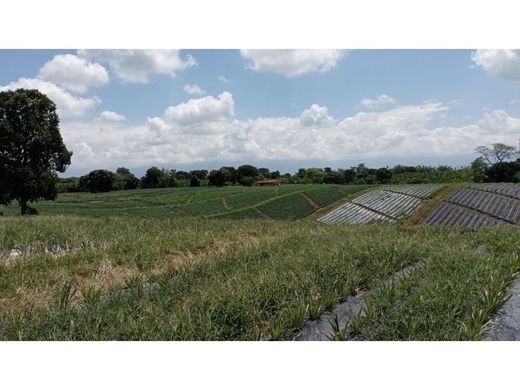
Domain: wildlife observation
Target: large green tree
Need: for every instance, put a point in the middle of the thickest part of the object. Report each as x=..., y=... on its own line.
x=31, y=148
x=100, y=180
x=125, y=180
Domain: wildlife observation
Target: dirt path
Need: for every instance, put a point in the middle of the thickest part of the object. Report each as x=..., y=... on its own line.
x=506, y=325
x=260, y=212
x=310, y=200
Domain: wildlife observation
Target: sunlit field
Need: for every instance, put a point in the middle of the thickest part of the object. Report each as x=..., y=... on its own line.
x=239, y=264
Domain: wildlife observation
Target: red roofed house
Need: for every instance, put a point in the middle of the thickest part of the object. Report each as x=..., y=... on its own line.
x=268, y=182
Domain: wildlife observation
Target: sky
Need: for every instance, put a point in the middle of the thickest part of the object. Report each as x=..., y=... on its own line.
x=280, y=109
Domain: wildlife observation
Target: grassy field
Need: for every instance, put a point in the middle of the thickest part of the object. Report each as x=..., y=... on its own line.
x=202, y=201
x=133, y=278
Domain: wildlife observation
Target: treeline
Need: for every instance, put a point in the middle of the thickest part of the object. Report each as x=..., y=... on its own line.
x=103, y=180
x=502, y=171
x=399, y=174
x=247, y=175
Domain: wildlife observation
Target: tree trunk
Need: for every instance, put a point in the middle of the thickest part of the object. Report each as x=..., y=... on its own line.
x=23, y=207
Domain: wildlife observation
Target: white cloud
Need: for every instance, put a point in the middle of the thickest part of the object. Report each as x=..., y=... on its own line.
x=111, y=116
x=222, y=79
x=316, y=116
x=73, y=73
x=206, y=109
x=136, y=65
x=83, y=150
x=504, y=64
x=69, y=106
x=291, y=63
x=205, y=130
x=193, y=89
x=380, y=101
x=514, y=101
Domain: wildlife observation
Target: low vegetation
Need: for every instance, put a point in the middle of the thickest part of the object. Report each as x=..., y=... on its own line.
x=204, y=202
x=82, y=278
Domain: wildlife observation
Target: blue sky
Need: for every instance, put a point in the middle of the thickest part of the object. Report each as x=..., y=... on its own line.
x=277, y=108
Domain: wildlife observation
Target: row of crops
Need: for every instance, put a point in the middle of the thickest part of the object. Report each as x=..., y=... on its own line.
x=479, y=205
x=387, y=204
x=292, y=205
x=281, y=202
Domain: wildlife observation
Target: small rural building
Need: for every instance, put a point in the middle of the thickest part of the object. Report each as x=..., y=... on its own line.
x=268, y=182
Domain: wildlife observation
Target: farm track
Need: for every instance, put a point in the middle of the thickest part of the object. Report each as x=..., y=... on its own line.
x=262, y=214
x=225, y=204
x=310, y=200
x=479, y=206
x=322, y=329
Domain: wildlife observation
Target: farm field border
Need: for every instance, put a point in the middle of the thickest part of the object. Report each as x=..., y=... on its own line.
x=429, y=204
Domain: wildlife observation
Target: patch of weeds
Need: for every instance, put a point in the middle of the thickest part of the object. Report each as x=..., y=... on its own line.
x=65, y=295
x=339, y=333
x=355, y=325
x=134, y=285
x=298, y=315
x=329, y=303
x=316, y=308
x=490, y=301
x=277, y=328
x=369, y=312
x=91, y=296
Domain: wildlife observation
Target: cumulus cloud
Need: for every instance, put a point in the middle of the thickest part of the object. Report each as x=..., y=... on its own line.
x=504, y=64
x=83, y=150
x=73, y=73
x=206, y=130
x=222, y=79
x=111, y=116
x=291, y=63
x=193, y=89
x=136, y=65
x=69, y=106
x=380, y=101
x=206, y=109
x=316, y=116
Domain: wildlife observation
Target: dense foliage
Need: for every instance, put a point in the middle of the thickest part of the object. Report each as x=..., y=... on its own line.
x=31, y=148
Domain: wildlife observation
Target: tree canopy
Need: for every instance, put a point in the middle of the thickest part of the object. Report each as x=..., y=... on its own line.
x=31, y=148
x=99, y=180
x=497, y=153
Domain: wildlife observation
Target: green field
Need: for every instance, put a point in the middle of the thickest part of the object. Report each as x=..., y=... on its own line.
x=185, y=201
x=255, y=269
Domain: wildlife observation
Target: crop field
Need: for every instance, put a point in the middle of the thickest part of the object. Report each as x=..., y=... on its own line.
x=238, y=263
x=294, y=206
x=325, y=195
x=203, y=201
x=388, y=204
x=479, y=205
x=134, y=278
